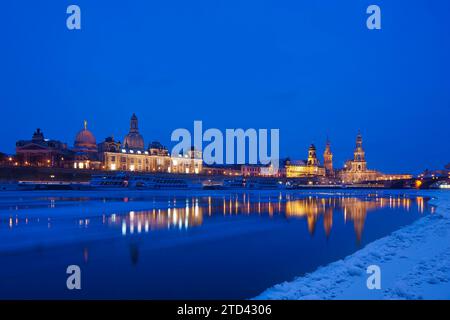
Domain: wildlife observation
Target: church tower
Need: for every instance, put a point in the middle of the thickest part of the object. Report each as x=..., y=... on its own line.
x=359, y=158
x=134, y=140
x=134, y=124
x=312, y=156
x=328, y=159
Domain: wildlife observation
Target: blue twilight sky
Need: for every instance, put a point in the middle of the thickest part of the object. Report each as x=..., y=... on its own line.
x=309, y=68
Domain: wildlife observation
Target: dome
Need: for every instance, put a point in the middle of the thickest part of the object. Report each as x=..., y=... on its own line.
x=134, y=140
x=85, y=139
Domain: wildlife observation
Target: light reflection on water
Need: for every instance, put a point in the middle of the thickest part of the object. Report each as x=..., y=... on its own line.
x=355, y=210
x=189, y=212
x=252, y=240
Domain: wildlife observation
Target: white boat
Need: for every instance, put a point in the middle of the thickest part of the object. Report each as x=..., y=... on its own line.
x=51, y=185
x=142, y=181
x=265, y=183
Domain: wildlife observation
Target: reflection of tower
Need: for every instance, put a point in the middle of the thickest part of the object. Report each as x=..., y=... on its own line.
x=311, y=218
x=312, y=157
x=134, y=253
x=359, y=158
x=328, y=159
x=328, y=220
x=357, y=212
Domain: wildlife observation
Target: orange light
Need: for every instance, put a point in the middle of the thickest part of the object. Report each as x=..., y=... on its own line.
x=418, y=183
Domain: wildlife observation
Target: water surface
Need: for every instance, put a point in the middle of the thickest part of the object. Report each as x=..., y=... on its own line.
x=208, y=245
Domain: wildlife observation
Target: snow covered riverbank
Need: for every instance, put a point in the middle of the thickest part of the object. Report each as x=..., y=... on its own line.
x=414, y=263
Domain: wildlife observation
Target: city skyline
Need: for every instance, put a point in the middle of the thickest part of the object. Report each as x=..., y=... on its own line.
x=147, y=142
x=312, y=71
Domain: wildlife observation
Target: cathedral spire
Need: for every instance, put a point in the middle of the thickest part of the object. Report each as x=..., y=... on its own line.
x=328, y=158
x=134, y=123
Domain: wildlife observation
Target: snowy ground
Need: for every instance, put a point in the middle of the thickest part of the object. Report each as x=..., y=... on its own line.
x=414, y=263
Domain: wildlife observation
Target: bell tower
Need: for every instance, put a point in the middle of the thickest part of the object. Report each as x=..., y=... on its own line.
x=328, y=159
x=134, y=124
x=359, y=157
x=312, y=156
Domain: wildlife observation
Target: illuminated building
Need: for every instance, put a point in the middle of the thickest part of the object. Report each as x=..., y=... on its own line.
x=250, y=170
x=133, y=140
x=41, y=152
x=328, y=160
x=190, y=163
x=222, y=169
x=269, y=171
x=137, y=160
x=391, y=177
x=356, y=170
x=309, y=168
x=109, y=145
x=85, y=150
x=131, y=155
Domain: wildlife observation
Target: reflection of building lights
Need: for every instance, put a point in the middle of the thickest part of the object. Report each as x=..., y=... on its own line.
x=124, y=228
x=191, y=212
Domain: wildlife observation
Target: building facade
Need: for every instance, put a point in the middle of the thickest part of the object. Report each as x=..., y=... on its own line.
x=328, y=160
x=309, y=168
x=140, y=161
x=86, y=155
x=133, y=140
x=355, y=170
x=132, y=156
x=42, y=152
x=190, y=163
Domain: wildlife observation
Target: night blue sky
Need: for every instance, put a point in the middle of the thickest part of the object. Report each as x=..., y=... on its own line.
x=309, y=68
